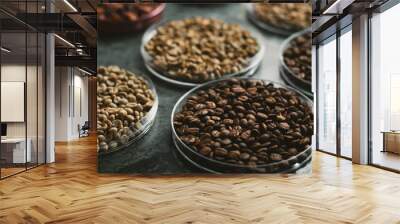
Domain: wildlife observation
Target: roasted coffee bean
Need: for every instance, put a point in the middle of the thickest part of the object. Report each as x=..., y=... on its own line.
x=265, y=137
x=297, y=57
x=221, y=152
x=225, y=132
x=292, y=151
x=118, y=124
x=284, y=125
x=287, y=16
x=275, y=157
x=245, y=135
x=262, y=116
x=228, y=121
x=254, y=158
x=251, y=117
x=270, y=100
x=191, y=130
x=226, y=141
x=235, y=154
x=267, y=129
x=205, y=150
x=215, y=133
x=238, y=90
x=201, y=49
x=244, y=156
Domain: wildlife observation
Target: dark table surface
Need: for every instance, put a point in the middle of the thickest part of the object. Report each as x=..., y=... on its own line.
x=155, y=153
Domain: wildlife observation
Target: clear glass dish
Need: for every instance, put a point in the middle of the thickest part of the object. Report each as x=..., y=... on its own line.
x=214, y=166
x=249, y=70
x=110, y=27
x=251, y=14
x=143, y=126
x=287, y=74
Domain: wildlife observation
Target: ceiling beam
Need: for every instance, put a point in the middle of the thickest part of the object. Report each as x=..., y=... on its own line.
x=337, y=7
x=78, y=61
x=49, y=22
x=84, y=24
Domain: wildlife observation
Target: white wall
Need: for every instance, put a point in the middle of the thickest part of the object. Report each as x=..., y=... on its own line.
x=33, y=127
x=62, y=81
x=16, y=73
x=70, y=83
x=80, y=109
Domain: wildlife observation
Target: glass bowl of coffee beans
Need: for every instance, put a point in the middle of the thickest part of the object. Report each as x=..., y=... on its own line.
x=243, y=125
x=192, y=51
x=295, y=61
x=126, y=108
x=280, y=18
x=127, y=17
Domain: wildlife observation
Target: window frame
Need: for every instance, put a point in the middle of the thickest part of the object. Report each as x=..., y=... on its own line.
x=334, y=37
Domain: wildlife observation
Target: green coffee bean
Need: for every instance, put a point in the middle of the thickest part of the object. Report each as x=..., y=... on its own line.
x=123, y=99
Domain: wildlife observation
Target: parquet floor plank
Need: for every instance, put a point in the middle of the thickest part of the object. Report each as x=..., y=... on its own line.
x=71, y=191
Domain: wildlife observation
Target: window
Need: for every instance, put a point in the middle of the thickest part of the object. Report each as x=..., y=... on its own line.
x=394, y=119
x=346, y=93
x=327, y=96
x=385, y=89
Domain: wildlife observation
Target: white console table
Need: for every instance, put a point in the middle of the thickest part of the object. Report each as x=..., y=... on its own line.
x=17, y=145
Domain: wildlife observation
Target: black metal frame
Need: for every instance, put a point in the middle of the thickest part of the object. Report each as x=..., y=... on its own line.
x=316, y=98
x=338, y=153
x=369, y=83
x=338, y=98
x=44, y=77
x=26, y=90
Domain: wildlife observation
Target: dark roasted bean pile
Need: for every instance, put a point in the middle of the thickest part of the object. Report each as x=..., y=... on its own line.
x=122, y=13
x=297, y=57
x=245, y=122
x=201, y=49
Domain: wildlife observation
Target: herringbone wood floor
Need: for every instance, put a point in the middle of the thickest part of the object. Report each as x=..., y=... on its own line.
x=71, y=191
